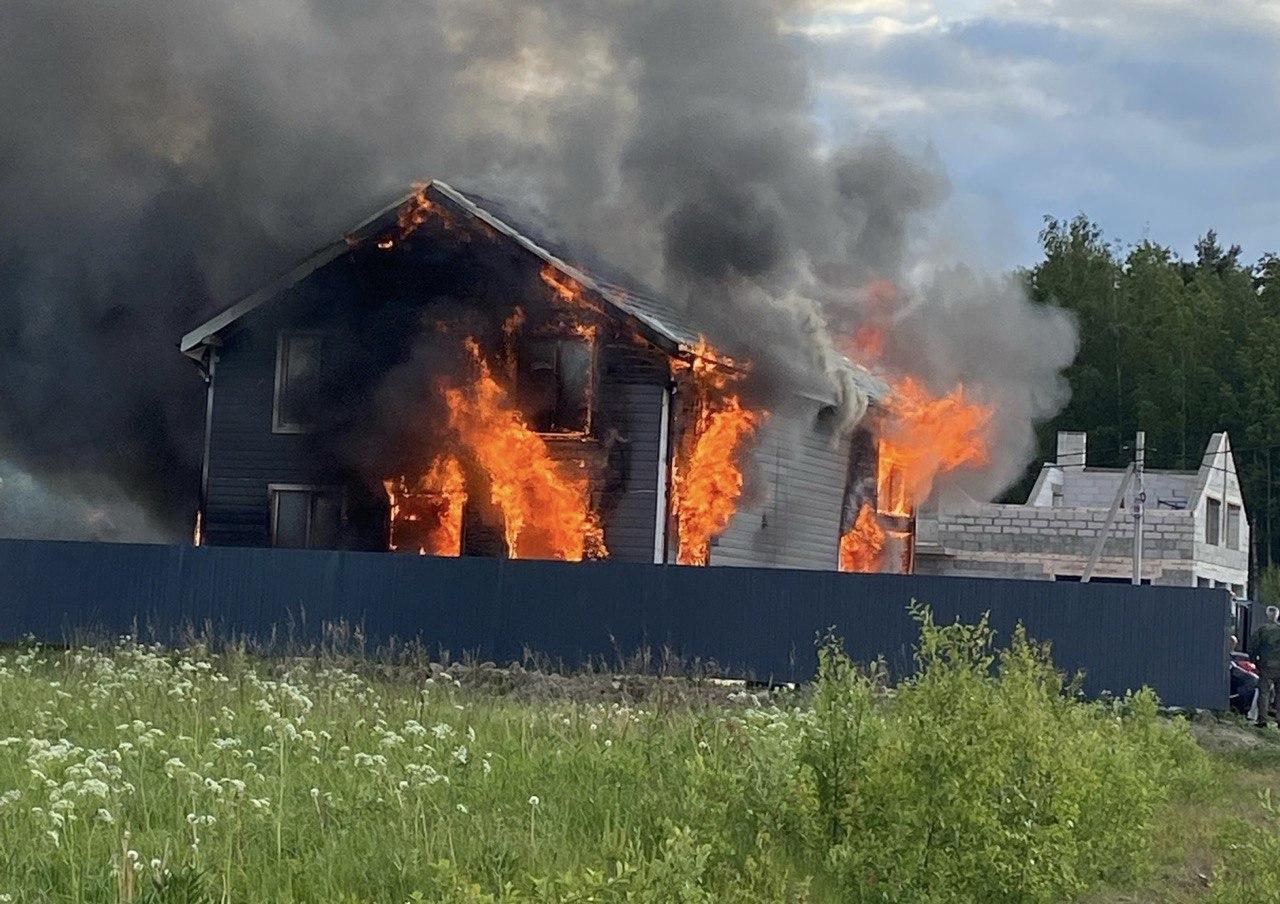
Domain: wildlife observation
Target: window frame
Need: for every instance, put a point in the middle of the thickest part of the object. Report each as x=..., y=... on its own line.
x=278, y=424
x=557, y=341
x=1212, y=525
x=312, y=489
x=1233, y=531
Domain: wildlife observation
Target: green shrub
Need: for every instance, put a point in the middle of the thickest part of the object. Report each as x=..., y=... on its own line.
x=1250, y=869
x=986, y=778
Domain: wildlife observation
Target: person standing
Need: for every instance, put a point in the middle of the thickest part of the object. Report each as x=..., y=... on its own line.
x=1264, y=649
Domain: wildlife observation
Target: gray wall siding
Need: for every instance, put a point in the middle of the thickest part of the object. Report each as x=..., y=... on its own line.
x=244, y=455
x=795, y=491
x=631, y=388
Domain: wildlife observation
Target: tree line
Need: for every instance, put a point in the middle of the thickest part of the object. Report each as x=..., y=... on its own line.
x=1180, y=348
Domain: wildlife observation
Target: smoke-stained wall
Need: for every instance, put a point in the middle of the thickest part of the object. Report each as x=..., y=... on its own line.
x=162, y=157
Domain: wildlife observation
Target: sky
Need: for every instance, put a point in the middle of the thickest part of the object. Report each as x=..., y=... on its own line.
x=1159, y=119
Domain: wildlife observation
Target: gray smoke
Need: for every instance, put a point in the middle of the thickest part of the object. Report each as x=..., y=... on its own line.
x=161, y=157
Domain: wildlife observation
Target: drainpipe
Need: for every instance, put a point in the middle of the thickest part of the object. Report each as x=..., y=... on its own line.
x=662, y=511
x=209, y=371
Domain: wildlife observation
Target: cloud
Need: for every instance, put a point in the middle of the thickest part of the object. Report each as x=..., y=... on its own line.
x=1151, y=112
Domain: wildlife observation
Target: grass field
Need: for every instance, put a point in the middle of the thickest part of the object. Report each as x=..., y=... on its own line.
x=132, y=773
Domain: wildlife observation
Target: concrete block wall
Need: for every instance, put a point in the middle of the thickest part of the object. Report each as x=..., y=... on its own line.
x=1032, y=542
x=1094, y=488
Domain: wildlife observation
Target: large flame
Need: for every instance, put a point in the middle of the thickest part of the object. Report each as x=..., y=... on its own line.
x=427, y=515
x=924, y=436
x=863, y=544
x=706, y=476
x=546, y=513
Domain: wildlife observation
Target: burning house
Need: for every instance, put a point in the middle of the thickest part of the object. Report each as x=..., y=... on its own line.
x=438, y=381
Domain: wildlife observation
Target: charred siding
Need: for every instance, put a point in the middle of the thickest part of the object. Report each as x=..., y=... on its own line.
x=792, y=516
x=245, y=456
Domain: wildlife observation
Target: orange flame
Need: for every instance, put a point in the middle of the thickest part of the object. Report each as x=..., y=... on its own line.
x=925, y=436
x=706, y=476
x=428, y=514
x=413, y=212
x=868, y=343
x=546, y=513
x=567, y=290
x=862, y=545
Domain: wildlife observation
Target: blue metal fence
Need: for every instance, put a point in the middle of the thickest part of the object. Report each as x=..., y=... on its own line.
x=757, y=622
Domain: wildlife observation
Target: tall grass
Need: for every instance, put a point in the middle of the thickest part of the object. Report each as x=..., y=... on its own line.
x=139, y=774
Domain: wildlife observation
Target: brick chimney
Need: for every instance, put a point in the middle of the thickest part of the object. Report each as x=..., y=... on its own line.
x=1071, y=450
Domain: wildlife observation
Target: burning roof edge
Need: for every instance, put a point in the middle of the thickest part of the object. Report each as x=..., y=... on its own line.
x=673, y=337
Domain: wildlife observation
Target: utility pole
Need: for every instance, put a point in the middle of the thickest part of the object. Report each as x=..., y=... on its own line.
x=1139, y=500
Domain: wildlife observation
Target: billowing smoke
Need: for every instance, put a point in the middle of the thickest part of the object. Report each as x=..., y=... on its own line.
x=161, y=157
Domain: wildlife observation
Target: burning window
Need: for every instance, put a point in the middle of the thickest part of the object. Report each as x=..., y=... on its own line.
x=426, y=516
x=305, y=517
x=554, y=385
x=298, y=357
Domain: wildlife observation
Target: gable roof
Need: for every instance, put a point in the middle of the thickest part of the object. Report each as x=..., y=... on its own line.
x=656, y=318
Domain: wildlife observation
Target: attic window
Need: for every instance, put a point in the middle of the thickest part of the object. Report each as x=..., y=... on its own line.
x=1212, y=521
x=298, y=359
x=554, y=384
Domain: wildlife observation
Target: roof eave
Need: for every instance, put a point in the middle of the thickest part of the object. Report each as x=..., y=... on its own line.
x=193, y=343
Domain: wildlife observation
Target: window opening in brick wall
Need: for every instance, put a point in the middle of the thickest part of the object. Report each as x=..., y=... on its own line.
x=1213, y=521
x=1233, y=526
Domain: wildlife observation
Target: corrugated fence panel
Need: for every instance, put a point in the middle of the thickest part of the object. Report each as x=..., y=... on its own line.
x=752, y=621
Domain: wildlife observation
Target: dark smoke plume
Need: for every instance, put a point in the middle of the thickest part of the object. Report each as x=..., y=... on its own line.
x=161, y=157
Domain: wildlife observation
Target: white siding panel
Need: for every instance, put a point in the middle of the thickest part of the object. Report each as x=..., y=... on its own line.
x=794, y=519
